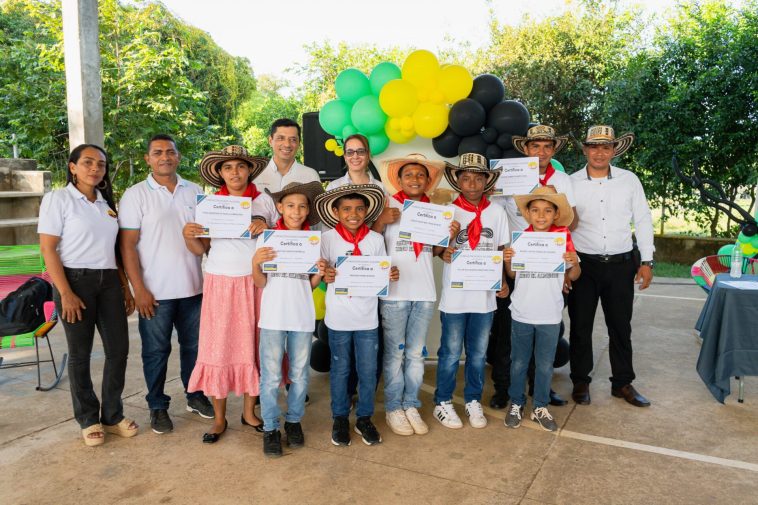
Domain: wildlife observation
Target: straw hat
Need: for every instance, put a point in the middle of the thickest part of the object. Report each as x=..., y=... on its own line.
x=435, y=169
x=471, y=162
x=211, y=164
x=310, y=189
x=603, y=134
x=539, y=132
x=373, y=193
x=549, y=194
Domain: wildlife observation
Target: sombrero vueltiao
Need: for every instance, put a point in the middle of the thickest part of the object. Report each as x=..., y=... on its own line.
x=310, y=189
x=373, y=193
x=539, y=132
x=434, y=168
x=471, y=162
x=603, y=134
x=566, y=213
x=211, y=163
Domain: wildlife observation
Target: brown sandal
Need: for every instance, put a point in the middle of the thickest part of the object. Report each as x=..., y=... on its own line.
x=94, y=428
x=123, y=429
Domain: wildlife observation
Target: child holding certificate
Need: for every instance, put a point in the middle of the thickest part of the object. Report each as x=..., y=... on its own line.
x=537, y=306
x=467, y=315
x=408, y=309
x=287, y=321
x=351, y=319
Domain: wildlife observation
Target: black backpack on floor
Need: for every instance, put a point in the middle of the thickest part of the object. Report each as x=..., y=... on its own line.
x=23, y=310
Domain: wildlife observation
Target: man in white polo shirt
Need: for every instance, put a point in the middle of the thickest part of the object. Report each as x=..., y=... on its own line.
x=284, y=139
x=608, y=200
x=166, y=277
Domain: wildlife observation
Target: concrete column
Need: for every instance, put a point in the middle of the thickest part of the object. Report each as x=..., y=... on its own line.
x=83, y=86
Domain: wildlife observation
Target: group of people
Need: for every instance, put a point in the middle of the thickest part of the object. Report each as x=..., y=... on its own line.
x=246, y=330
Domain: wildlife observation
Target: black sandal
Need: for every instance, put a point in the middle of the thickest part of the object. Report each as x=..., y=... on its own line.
x=256, y=427
x=212, y=438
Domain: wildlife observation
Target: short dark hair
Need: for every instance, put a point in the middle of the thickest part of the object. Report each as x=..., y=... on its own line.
x=410, y=164
x=349, y=196
x=160, y=136
x=529, y=203
x=284, y=123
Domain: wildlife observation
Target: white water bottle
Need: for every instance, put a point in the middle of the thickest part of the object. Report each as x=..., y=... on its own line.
x=736, y=270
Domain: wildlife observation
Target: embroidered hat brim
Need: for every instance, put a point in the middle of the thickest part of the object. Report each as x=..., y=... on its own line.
x=373, y=193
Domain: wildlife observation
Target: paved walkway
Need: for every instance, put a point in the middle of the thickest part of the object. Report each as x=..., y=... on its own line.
x=686, y=449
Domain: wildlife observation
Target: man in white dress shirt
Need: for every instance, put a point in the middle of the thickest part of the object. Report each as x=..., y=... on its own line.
x=284, y=139
x=608, y=200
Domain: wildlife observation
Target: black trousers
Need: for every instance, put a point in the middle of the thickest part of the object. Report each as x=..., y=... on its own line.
x=613, y=285
x=100, y=290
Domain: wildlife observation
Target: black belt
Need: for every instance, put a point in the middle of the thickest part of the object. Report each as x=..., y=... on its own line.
x=607, y=258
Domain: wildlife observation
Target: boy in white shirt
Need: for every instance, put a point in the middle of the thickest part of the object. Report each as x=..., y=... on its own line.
x=537, y=306
x=287, y=315
x=352, y=320
x=467, y=315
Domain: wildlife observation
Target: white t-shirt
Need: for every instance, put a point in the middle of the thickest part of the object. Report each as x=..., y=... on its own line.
x=274, y=181
x=233, y=257
x=350, y=313
x=169, y=270
x=416, y=276
x=516, y=221
x=494, y=235
x=537, y=298
x=345, y=179
x=87, y=230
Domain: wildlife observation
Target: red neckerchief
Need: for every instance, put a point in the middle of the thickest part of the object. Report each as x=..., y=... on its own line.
x=353, y=239
x=560, y=229
x=475, y=226
x=251, y=191
x=548, y=174
x=401, y=197
x=281, y=226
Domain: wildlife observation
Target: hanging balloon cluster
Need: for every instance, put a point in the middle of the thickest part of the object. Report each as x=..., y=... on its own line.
x=483, y=122
x=394, y=104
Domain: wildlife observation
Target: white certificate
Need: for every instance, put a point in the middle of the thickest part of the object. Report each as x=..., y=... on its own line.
x=362, y=276
x=519, y=176
x=477, y=270
x=224, y=216
x=296, y=251
x=426, y=223
x=538, y=251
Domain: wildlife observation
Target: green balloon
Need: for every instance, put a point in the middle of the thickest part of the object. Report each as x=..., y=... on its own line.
x=382, y=74
x=348, y=130
x=557, y=165
x=378, y=143
x=367, y=115
x=351, y=84
x=334, y=116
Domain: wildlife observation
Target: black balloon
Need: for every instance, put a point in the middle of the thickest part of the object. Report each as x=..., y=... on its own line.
x=505, y=141
x=488, y=90
x=489, y=135
x=509, y=117
x=446, y=145
x=467, y=117
x=511, y=153
x=561, y=353
x=473, y=144
x=320, y=356
x=493, y=152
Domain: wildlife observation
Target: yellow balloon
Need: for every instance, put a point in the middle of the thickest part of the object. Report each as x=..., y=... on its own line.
x=437, y=96
x=406, y=123
x=396, y=123
x=339, y=151
x=420, y=67
x=455, y=82
x=430, y=119
x=397, y=136
x=423, y=95
x=331, y=145
x=398, y=98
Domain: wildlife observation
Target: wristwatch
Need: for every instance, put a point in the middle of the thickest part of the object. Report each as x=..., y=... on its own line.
x=650, y=264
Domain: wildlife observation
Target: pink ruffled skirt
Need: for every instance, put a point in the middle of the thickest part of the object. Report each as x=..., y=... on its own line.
x=227, y=357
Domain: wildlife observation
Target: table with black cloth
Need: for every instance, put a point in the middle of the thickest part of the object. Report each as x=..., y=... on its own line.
x=728, y=325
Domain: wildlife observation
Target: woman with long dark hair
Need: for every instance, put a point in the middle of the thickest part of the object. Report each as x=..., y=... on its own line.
x=78, y=229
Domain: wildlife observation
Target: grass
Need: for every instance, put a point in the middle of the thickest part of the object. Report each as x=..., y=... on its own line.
x=663, y=269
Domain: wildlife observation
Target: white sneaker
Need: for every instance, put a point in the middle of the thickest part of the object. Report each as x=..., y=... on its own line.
x=475, y=414
x=398, y=423
x=446, y=415
x=418, y=424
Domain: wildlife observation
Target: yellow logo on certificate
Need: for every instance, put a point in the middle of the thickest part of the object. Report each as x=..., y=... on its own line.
x=447, y=215
x=559, y=241
x=384, y=265
x=497, y=259
x=532, y=164
x=313, y=239
x=245, y=205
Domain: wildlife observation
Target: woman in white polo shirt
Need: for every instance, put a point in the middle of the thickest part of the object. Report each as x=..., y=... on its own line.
x=357, y=157
x=78, y=228
x=227, y=357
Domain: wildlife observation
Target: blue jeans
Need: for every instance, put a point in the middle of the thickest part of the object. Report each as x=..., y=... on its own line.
x=184, y=315
x=469, y=331
x=341, y=344
x=405, y=326
x=271, y=347
x=542, y=338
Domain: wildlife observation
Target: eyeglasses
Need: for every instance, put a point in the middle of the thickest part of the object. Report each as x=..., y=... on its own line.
x=355, y=152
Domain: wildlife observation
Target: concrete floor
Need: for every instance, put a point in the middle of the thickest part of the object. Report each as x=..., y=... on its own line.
x=685, y=449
